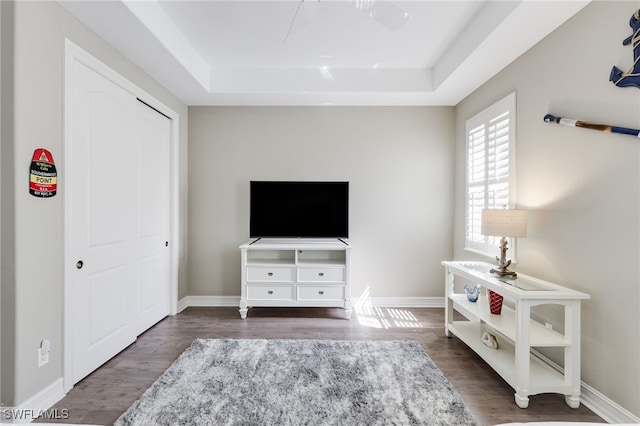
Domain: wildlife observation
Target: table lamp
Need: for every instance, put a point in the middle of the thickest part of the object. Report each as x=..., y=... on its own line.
x=504, y=223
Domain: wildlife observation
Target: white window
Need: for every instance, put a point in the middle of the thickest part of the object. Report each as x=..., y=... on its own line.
x=490, y=169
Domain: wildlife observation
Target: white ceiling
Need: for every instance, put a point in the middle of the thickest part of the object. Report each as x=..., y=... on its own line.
x=328, y=52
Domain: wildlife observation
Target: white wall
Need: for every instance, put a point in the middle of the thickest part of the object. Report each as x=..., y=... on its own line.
x=581, y=187
x=33, y=309
x=399, y=162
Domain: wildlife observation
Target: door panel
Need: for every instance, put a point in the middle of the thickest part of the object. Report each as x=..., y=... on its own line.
x=107, y=159
x=106, y=319
x=102, y=193
x=153, y=218
x=152, y=288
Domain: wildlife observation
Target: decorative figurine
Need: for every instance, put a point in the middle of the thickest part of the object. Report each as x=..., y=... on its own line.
x=489, y=340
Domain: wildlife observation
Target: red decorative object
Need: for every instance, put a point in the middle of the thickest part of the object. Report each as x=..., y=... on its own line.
x=43, y=178
x=495, y=302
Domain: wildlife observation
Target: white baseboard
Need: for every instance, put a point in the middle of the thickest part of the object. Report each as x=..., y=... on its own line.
x=399, y=302
x=605, y=407
x=207, y=301
x=38, y=404
x=378, y=302
x=597, y=402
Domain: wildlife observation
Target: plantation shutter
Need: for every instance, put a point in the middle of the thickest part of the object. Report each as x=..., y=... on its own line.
x=490, y=175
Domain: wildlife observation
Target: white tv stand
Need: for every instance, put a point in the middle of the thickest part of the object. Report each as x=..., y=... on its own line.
x=297, y=272
x=516, y=332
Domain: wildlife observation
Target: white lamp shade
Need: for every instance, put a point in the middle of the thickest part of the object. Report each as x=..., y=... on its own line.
x=504, y=223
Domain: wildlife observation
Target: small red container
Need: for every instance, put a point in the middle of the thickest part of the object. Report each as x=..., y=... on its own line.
x=495, y=302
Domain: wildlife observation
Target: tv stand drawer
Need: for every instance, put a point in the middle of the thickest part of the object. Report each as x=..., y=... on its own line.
x=270, y=292
x=321, y=274
x=271, y=273
x=335, y=292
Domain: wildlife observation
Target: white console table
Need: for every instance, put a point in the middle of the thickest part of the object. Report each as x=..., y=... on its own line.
x=516, y=332
x=300, y=272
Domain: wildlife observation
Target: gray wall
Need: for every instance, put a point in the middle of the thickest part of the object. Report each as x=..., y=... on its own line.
x=32, y=232
x=399, y=162
x=581, y=187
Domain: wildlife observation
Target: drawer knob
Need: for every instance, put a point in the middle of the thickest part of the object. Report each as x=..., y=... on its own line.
x=321, y=292
x=270, y=292
x=321, y=274
x=270, y=274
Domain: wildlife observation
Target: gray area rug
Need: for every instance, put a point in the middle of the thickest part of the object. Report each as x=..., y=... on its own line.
x=300, y=382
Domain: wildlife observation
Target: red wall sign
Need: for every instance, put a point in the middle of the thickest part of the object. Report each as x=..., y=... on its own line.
x=43, y=177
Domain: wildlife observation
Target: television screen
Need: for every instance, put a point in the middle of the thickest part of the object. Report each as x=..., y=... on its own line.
x=299, y=209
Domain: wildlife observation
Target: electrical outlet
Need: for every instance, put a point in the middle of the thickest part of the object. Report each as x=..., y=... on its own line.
x=549, y=325
x=43, y=357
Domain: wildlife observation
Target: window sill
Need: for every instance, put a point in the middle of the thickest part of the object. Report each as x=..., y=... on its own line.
x=490, y=257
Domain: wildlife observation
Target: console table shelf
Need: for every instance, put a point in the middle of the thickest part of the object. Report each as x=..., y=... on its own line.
x=505, y=323
x=515, y=331
x=296, y=272
x=543, y=377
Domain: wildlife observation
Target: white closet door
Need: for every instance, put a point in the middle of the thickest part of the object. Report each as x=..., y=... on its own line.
x=103, y=198
x=153, y=287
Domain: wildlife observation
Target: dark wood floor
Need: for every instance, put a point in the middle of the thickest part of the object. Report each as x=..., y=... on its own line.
x=105, y=394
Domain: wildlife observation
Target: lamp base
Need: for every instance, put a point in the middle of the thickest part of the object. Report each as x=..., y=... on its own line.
x=503, y=262
x=503, y=272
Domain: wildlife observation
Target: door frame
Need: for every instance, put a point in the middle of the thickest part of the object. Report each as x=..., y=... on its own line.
x=74, y=53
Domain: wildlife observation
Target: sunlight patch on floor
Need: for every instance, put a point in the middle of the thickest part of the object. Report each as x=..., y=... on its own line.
x=385, y=318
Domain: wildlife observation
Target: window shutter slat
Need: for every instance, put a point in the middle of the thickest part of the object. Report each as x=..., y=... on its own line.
x=490, y=141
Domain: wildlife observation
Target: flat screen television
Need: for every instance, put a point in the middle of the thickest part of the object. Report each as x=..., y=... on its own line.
x=285, y=209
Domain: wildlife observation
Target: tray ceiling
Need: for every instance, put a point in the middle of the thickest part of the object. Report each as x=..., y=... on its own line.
x=328, y=52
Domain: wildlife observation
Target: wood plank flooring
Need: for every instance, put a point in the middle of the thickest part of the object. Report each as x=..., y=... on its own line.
x=105, y=394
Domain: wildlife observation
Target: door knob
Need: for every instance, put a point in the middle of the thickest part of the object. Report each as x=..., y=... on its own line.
x=79, y=264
